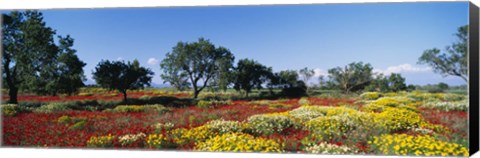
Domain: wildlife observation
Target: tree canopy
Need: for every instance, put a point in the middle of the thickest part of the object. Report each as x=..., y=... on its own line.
x=354, y=76
x=250, y=74
x=32, y=61
x=453, y=61
x=199, y=63
x=121, y=76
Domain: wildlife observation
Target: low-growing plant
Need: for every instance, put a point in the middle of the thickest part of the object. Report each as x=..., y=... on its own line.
x=326, y=148
x=238, y=142
x=403, y=144
x=53, y=107
x=128, y=139
x=101, y=141
x=9, y=109
x=266, y=124
x=80, y=125
x=370, y=95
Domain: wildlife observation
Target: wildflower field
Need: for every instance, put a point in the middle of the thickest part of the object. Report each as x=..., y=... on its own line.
x=402, y=123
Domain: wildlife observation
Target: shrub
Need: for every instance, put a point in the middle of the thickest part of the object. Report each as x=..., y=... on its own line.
x=325, y=148
x=391, y=101
x=266, y=124
x=396, y=119
x=85, y=94
x=156, y=141
x=9, y=109
x=101, y=141
x=223, y=127
x=183, y=136
x=238, y=142
x=303, y=101
x=159, y=127
x=128, y=139
x=204, y=104
x=78, y=125
x=370, y=95
x=306, y=113
x=129, y=108
x=53, y=107
x=403, y=144
x=448, y=106
x=65, y=120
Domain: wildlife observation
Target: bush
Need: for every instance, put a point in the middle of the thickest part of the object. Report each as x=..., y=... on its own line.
x=403, y=144
x=53, y=107
x=128, y=139
x=306, y=113
x=303, y=101
x=396, y=119
x=101, y=141
x=204, y=104
x=238, y=142
x=266, y=124
x=9, y=109
x=159, y=127
x=223, y=127
x=78, y=125
x=156, y=141
x=141, y=108
x=370, y=95
x=183, y=136
x=325, y=148
x=448, y=106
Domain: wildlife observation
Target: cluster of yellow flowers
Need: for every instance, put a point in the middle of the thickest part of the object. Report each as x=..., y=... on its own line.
x=403, y=144
x=101, y=141
x=156, y=140
x=197, y=134
x=370, y=95
x=396, y=119
x=9, y=109
x=140, y=108
x=239, y=142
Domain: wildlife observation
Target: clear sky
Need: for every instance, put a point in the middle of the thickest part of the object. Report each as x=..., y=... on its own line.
x=389, y=36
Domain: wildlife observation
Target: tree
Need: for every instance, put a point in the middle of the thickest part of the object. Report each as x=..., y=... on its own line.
x=70, y=68
x=442, y=86
x=355, y=76
x=199, y=62
x=306, y=74
x=396, y=82
x=121, y=76
x=250, y=74
x=287, y=78
x=452, y=62
x=223, y=77
x=28, y=50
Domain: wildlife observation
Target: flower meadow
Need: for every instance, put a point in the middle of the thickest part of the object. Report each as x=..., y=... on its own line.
x=402, y=123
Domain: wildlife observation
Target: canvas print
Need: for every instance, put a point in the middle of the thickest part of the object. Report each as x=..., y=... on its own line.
x=355, y=79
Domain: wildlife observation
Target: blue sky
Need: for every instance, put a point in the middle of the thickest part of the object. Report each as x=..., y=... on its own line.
x=389, y=36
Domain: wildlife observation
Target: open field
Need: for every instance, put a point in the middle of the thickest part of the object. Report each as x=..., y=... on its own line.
x=414, y=123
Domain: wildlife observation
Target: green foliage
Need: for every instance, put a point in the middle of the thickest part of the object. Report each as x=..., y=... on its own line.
x=250, y=74
x=80, y=125
x=30, y=58
x=353, y=77
x=452, y=62
x=53, y=107
x=121, y=76
x=196, y=62
x=141, y=108
x=9, y=109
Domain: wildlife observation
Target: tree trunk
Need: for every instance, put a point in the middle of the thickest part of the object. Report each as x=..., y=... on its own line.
x=12, y=92
x=124, y=96
x=195, y=94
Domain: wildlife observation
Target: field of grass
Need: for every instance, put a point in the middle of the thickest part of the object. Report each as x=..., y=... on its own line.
x=403, y=123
